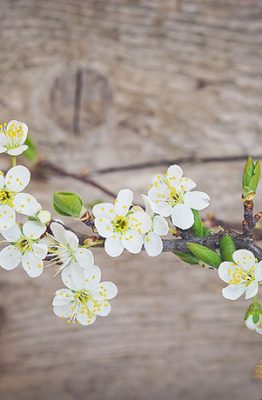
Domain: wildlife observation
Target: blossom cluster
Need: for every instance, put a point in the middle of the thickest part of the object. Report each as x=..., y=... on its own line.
x=33, y=239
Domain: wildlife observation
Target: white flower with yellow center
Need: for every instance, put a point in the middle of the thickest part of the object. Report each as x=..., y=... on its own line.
x=123, y=228
x=243, y=275
x=83, y=302
x=64, y=250
x=12, y=138
x=170, y=195
x=11, y=198
x=250, y=324
x=25, y=247
x=159, y=227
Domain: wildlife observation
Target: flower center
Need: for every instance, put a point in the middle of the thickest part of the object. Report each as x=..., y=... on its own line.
x=6, y=197
x=240, y=276
x=24, y=245
x=120, y=224
x=82, y=296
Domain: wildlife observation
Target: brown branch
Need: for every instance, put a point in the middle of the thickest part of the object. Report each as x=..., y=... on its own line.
x=85, y=178
x=167, y=162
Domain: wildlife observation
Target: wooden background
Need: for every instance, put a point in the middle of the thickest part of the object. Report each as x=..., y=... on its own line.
x=114, y=82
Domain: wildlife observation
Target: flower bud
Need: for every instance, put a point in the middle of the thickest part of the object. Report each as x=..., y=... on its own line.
x=253, y=314
x=206, y=255
x=188, y=258
x=68, y=204
x=44, y=217
x=250, y=179
x=227, y=248
x=197, y=228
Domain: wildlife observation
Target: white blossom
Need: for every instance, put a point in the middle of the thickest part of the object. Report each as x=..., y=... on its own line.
x=122, y=227
x=12, y=138
x=64, y=250
x=171, y=195
x=243, y=275
x=25, y=247
x=250, y=324
x=84, y=301
x=159, y=227
x=11, y=198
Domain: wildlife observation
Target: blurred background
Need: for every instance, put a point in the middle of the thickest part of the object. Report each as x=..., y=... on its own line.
x=113, y=83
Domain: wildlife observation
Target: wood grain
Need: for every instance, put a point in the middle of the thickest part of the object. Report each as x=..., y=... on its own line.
x=103, y=83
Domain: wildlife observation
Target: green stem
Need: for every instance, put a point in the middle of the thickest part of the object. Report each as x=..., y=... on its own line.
x=13, y=161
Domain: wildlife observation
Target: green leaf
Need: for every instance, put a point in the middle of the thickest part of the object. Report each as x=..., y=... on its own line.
x=197, y=228
x=254, y=181
x=227, y=248
x=206, y=255
x=31, y=152
x=188, y=258
x=68, y=204
x=248, y=172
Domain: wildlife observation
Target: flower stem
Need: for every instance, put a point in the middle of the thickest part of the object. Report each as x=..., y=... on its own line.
x=13, y=161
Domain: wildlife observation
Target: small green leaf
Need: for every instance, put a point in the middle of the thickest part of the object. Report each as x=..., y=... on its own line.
x=206, y=255
x=68, y=204
x=254, y=181
x=248, y=172
x=188, y=258
x=31, y=152
x=197, y=228
x=227, y=248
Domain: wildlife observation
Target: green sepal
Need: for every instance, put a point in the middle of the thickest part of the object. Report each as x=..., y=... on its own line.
x=188, y=258
x=206, y=255
x=227, y=248
x=68, y=204
x=197, y=228
x=206, y=231
x=31, y=152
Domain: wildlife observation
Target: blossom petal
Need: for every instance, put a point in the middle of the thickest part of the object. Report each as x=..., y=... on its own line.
x=40, y=250
x=187, y=184
x=104, y=227
x=33, y=229
x=104, y=309
x=174, y=172
x=133, y=242
x=153, y=244
x=233, y=292
x=252, y=289
x=73, y=276
x=71, y=239
x=17, y=178
x=2, y=178
x=59, y=232
x=84, y=258
x=250, y=323
x=123, y=201
x=92, y=277
x=160, y=225
x=196, y=200
x=258, y=272
x=113, y=247
x=182, y=216
x=10, y=257
x=7, y=217
x=225, y=270
x=104, y=210
x=140, y=221
x=26, y=204
x=32, y=265
x=85, y=319
x=12, y=234
x=2, y=149
x=22, y=130
x=63, y=297
x=18, y=150
x=63, y=311
x=106, y=291
x=148, y=207
x=244, y=258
